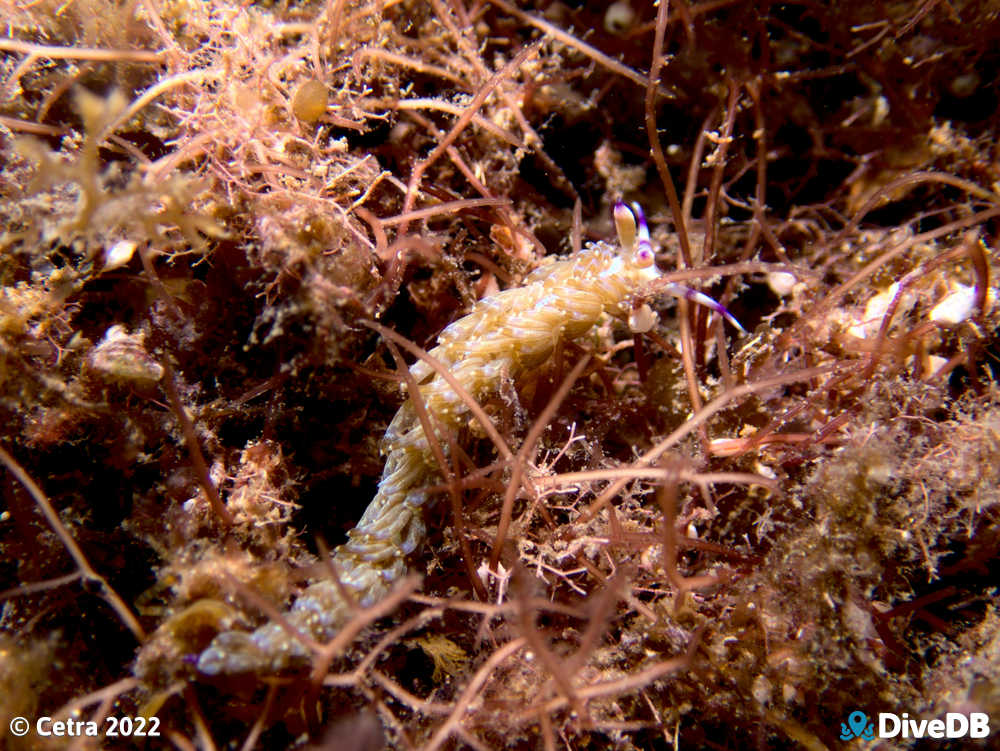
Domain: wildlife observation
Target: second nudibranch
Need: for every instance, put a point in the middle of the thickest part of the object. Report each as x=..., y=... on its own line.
x=502, y=336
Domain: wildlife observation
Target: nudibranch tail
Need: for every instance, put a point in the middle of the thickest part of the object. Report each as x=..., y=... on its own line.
x=501, y=337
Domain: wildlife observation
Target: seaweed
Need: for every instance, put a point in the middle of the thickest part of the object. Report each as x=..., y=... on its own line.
x=227, y=231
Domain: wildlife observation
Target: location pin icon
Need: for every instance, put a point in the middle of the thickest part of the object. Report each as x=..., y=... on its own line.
x=857, y=720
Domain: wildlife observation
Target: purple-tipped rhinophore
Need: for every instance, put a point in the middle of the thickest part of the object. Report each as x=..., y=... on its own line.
x=643, y=248
x=679, y=290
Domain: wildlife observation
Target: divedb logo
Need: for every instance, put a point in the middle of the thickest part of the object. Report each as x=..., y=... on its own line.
x=890, y=725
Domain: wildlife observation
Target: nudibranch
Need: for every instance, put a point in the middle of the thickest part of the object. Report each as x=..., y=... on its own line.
x=501, y=337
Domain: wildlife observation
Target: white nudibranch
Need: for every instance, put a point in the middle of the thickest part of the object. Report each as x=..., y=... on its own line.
x=502, y=336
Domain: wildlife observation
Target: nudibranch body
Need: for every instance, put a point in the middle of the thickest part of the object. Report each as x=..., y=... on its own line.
x=502, y=336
